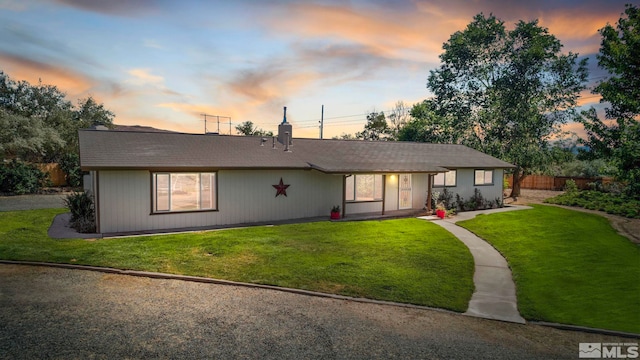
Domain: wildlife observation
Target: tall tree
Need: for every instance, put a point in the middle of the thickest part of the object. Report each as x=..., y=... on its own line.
x=87, y=113
x=618, y=139
x=398, y=118
x=26, y=138
x=426, y=125
x=41, y=100
x=376, y=127
x=53, y=120
x=248, y=129
x=507, y=92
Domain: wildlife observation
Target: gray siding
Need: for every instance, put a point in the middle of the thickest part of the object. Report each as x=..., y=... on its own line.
x=419, y=190
x=247, y=196
x=244, y=196
x=465, y=185
x=363, y=207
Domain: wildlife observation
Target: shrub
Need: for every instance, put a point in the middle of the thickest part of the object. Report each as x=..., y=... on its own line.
x=460, y=203
x=488, y=204
x=570, y=186
x=70, y=164
x=476, y=201
x=80, y=204
x=18, y=178
x=613, y=203
x=445, y=198
x=434, y=199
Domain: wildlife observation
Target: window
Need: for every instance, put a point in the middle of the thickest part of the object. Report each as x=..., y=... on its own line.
x=363, y=188
x=445, y=179
x=184, y=192
x=483, y=177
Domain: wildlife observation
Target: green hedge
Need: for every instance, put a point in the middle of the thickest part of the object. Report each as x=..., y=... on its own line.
x=18, y=178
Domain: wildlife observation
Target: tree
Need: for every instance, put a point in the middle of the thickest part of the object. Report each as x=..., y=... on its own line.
x=619, y=140
x=86, y=114
x=26, y=138
x=38, y=124
x=248, y=129
x=44, y=122
x=398, y=118
x=41, y=101
x=426, y=125
x=507, y=92
x=376, y=127
x=344, y=136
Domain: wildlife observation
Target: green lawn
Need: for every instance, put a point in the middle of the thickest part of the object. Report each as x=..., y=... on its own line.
x=569, y=267
x=408, y=260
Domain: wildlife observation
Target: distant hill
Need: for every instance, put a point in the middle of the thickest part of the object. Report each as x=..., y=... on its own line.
x=138, y=128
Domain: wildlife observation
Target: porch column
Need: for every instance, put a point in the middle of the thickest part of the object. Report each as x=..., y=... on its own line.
x=384, y=191
x=429, y=183
x=344, y=200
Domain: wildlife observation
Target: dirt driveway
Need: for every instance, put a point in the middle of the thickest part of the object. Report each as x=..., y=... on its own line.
x=74, y=314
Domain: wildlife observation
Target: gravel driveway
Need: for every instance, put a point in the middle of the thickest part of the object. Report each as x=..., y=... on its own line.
x=30, y=202
x=66, y=314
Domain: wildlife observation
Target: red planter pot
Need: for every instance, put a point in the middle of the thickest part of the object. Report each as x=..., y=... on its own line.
x=335, y=215
x=441, y=213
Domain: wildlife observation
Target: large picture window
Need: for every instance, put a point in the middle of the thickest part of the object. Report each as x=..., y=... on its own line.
x=445, y=179
x=184, y=192
x=363, y=188
x=483, y=177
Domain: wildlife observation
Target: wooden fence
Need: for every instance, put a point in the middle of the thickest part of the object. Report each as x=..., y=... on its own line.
x=56, y=175
x=543, y=182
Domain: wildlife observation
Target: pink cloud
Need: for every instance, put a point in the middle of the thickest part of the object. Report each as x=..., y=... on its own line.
x=21, y=68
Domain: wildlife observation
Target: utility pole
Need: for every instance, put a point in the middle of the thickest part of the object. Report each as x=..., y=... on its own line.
x=205, y=123
x=321, y=121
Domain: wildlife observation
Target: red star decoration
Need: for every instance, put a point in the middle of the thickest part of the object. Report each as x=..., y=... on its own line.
x=282, y=188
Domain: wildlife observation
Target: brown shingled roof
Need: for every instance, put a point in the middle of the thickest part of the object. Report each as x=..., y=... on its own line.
x=104, y=149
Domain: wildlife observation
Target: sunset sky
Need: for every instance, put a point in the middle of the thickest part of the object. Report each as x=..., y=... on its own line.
x=163, y=63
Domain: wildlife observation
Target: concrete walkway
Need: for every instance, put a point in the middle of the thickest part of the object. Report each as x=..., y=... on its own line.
x=495, y=293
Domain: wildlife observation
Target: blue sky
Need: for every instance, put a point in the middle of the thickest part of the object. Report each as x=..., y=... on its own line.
x=163, y=63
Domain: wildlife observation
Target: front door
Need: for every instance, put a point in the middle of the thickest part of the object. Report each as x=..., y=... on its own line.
x=404, y=194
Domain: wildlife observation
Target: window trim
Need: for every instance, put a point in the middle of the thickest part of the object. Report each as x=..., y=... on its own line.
x=355, y=200
x=164, y=212
x=445, y=180
x=483, y=177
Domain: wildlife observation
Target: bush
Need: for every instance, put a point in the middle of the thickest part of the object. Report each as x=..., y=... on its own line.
x=80, y=204
x=460, y=203
x=445, y=198
x=613, y=203
x=18, y=178
x=570, y=186
x=70, y=164
x=477, y=201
